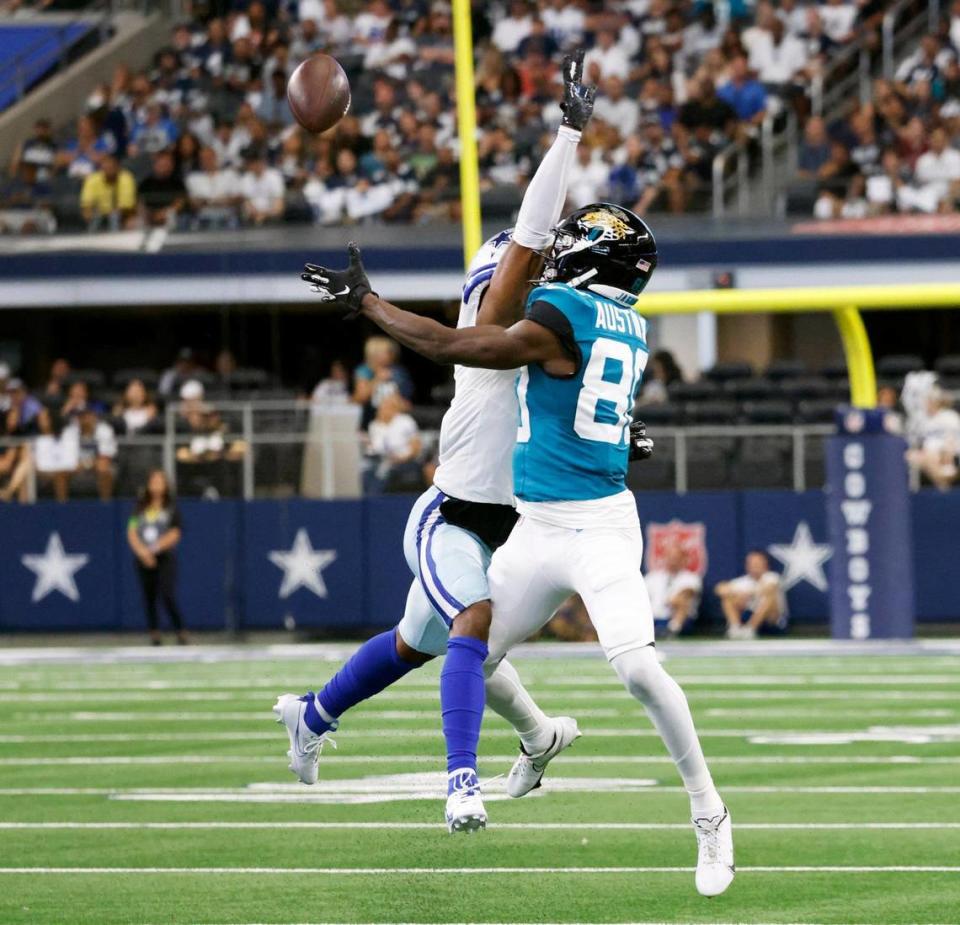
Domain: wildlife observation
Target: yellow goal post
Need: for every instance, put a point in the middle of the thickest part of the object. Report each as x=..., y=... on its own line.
x=843, y=302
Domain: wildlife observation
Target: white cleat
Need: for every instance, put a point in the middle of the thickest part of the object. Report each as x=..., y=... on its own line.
x=527, y=771
x=305, y=744
x=715, y=867
x=465, y=811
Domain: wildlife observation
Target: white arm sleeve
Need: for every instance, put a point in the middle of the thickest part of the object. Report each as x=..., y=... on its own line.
x=547, y=192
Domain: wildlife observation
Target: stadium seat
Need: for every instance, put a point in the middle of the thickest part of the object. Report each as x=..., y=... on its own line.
x=443, y=394
x=711, y=412
x=707, y=465
x=655, y=474
x=760, y=463
x=668, y=415
x=94, y=378
x=702, y=390
x=428, y=417
x=752, y=389
x=245, y=379
x=897, y=366
x=817, y=411
x=948, y=367
x=814, y=462
x=724, y=371
x=123, y=377
x=786, y=369
x=807, y=387
x=836, y=370
x=767, y=412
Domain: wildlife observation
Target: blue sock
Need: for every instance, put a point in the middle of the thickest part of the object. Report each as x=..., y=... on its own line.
x=373, y=667
x=462, y=699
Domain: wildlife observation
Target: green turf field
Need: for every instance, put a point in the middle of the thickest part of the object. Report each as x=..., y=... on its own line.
x=158, y=793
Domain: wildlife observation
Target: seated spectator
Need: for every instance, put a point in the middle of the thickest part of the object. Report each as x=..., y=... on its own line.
x=81, y=157
x=588, y=178
x=214, y=192
x=839, y=17
x=108, y=198
x=161, y=193
x=606, y=59
x=333, y=390
x=814, y=148
x=936, y=183
x=779, y=59
x=262, y=189
x=513, y=28
x=154, y=132
x=938, y=455
x=616, y=108
x=25, y=203
x=96, y=452
x=395, y=446
x=662, y=372
x=273, y=108
x=38, y=149
x=136, y=412
x=22, y=419
x=378, y=376
x=182, y=370
x=674, y=593
x=58, y=378
x=745, y=95
x=705, y=109
x=754, y=601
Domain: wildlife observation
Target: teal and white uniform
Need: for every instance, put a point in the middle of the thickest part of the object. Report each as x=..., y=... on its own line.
x=579, y=531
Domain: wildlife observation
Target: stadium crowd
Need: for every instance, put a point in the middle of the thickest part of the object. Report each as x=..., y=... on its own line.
x=204, y=137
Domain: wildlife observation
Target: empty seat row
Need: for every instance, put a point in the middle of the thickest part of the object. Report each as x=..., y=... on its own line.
x=721, y=412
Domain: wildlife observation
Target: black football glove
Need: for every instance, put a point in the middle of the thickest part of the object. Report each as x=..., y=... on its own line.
x=641, y=446
x=577, y=102
x=344, y=289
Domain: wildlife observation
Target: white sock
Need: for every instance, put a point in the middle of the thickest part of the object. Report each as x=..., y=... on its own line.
x=507, y=697
x=547, y=192
x=666, y=705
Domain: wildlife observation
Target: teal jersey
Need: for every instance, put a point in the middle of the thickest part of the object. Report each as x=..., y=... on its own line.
x=573, y=442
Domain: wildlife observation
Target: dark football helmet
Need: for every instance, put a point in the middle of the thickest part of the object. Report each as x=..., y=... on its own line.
x=603, y=247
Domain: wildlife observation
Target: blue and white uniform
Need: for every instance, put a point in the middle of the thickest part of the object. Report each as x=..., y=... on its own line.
x=579, y=530
x=474, y=478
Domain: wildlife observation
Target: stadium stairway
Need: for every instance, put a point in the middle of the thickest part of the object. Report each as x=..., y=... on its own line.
x=61, y=98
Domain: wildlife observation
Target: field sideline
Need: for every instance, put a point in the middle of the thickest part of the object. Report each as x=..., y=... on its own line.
x=139, y=786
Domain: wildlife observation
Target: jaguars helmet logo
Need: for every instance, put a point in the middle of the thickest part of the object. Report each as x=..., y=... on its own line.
x=605, y=226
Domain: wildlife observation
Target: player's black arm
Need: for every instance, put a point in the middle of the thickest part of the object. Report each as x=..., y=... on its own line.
x=507, y=293
x=486, y=346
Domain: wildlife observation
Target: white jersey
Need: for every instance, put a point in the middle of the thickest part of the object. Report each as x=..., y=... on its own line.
x=479, y=430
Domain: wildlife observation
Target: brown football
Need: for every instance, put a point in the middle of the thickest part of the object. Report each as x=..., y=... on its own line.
x=318, y=93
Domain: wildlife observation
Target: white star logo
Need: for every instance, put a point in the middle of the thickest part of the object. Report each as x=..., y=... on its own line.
x=303, y=566
x=802, y=559
x=55, y=570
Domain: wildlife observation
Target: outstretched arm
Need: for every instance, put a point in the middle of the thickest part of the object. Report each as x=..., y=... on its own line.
x=488, y=346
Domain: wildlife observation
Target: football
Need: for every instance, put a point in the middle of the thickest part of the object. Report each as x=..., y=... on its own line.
x=318, y=93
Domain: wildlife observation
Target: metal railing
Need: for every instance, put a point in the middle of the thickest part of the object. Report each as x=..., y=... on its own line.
x=284, y=449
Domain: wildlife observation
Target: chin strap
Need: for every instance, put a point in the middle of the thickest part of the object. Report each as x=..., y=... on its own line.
x=628, y=299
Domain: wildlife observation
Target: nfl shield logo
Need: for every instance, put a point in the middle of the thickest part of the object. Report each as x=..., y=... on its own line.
x=692, y=539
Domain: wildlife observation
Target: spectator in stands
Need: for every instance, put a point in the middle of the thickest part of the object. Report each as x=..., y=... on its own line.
x=395, y=446
x=108, y=198
x=154, y=132
x=58, y=379
x=262, y=189
x=753, y=601
x=22, y=420
x=161, y=193
x=154, y=532
x=513, y=28
x=273, y=108
x=839, y=17
x=814, y=149
x=705, y=110
x=588, y=177
x=378, y=376
x=97, y=450
x=214, y=192
x=938, y=455
x=606, y=59
x=616, y=108
x=81, y=157
x=745, y=95
x=25, y=203
x=136, y=412
x=663, y=371
x=936, y=178
x=674, y=592
x=38, y=149
x=183, y=368
x=334, y=389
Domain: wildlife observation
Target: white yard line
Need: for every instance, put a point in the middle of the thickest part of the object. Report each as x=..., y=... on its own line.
x=462, y=871
x=297, y=791
x=513, y=826
x=338, y=759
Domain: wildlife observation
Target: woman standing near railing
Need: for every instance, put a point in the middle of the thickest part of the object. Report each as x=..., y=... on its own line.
x=154, y=532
